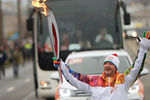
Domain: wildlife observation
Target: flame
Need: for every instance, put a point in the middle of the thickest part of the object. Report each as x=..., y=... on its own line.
x=40, y=4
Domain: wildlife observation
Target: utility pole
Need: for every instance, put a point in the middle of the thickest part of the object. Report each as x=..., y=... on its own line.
x=1, y=24
x=19, y=19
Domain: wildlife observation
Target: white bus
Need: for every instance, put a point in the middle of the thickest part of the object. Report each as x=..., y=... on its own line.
x=79, y=23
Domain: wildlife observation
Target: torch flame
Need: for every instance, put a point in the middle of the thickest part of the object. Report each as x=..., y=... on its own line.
x=40, y=4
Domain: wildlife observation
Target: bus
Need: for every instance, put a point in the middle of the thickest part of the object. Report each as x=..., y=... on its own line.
x=80, y=23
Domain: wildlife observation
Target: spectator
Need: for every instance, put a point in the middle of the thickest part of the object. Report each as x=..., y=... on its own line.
x=27, y=50
x=65, y=42
x=17, y=59
x=3, y=58
x=80, y=39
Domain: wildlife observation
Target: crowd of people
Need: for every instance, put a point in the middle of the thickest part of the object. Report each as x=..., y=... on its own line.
x=13, y=55
x=83, y=41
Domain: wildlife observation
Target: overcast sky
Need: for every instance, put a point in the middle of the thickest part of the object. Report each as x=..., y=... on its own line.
x=9, y=6
x=14, y=1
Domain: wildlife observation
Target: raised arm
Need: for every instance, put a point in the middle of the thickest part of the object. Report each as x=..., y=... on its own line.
x=127, y=72
x=73, y=78
x=136, y=68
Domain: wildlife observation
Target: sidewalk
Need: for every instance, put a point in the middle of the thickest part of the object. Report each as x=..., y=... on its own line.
x=22, y=68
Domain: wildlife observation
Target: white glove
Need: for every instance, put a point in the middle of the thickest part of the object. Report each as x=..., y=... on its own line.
x=145, y=42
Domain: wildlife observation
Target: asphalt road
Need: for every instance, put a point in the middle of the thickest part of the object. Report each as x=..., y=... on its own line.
x=22, y=88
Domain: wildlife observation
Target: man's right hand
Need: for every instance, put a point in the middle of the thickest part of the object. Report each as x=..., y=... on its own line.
x=56, y=62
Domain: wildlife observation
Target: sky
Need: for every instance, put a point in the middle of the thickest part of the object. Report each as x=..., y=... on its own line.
x=9, y=6
x=14, y=1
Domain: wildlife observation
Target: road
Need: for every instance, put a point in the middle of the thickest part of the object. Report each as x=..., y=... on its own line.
x=22, y=88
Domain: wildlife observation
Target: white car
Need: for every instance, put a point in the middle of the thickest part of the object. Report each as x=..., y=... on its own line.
x=91, y=63
x=130, y=33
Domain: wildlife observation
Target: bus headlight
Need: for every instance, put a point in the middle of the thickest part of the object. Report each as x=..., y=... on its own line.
x=44, y=83
x=65, y=92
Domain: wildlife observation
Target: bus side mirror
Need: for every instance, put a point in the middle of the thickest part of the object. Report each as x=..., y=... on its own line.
x=126, y=19
x=30, y=24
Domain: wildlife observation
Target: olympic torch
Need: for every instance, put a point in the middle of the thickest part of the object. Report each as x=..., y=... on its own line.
x=53, y=29
x=54, y=37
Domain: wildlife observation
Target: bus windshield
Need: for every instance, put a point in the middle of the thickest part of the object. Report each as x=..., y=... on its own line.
x=83, y=25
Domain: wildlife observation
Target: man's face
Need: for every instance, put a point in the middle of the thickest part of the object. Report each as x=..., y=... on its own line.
x=109, y=69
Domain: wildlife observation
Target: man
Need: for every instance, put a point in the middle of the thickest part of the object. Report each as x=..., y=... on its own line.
x=17, y=59
x=104, y=36
x=111, y=85
x=3, y=58
x=80, y=39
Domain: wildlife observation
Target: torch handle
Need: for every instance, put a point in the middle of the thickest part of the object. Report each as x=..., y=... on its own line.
x=54, y=38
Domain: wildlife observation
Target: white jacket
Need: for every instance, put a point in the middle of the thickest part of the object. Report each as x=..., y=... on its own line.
x=116, y=92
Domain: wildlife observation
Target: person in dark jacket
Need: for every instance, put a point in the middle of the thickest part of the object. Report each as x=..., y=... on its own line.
x=17, y=59
x=3, y=58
